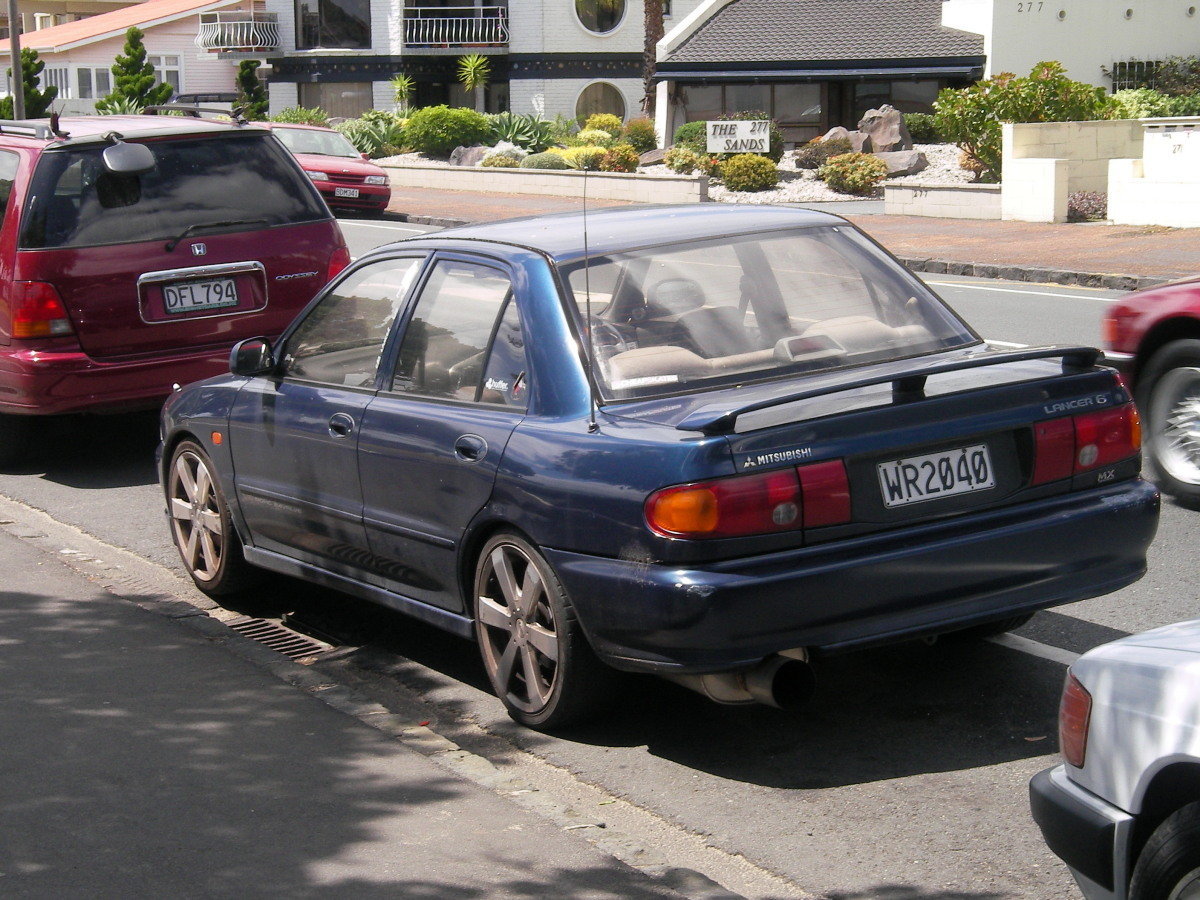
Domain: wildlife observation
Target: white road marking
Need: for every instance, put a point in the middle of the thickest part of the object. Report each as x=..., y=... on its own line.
x=1027, y=293
x=1034, y=648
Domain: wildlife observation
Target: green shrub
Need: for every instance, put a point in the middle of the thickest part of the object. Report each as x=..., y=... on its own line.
x=298, y=115
x=500, y=162
x=814, y=154
x=1140, y=103
x=603, y=122
x=376, y=133
x=922, y=128
x=853, y=173
x=437, y=130
x=621, y=158
x=528, y=132
x=544, y=161
x=681, y=160
x=594, y=137
x=640, y=134
x=971, y=116
x=584, y=158
x=691, y=136
x=1184, y=105
x=749, y=172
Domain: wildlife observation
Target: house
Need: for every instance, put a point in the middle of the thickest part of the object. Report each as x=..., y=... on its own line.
x=79, y=55
x=810, y=64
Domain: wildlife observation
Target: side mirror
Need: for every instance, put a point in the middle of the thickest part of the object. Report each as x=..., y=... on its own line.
x=366, y=157
x=121, y=158
x=251, y=357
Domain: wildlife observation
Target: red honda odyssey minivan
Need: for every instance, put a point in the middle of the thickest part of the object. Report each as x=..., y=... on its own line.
x=136, y=250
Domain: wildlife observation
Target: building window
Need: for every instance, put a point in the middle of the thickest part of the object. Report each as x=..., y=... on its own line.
x=59, y=77
x=333, y=24
x=1134, y=74
x=93, y=83
x=600, y=16
x=166, y=70
x=339, y=99
x=600, y=97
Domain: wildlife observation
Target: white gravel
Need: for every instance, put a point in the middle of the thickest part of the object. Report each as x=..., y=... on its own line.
x=795, y=185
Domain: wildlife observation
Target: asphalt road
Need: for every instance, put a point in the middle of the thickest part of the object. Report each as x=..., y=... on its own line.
x=905, y=779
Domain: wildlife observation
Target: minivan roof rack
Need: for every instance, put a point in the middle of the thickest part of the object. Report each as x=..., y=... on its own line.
x=28, y=128
x=197, y=112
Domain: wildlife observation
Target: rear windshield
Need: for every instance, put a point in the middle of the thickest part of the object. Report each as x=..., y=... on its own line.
x=688, y=316
x=243, y=180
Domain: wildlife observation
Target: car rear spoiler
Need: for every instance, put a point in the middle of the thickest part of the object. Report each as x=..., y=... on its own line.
x=908, y=385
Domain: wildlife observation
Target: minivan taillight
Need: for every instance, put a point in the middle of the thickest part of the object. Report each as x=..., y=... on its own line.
x=337, y=262
x=1079, y=444
x=1074, y=717
x=763, y=503
x=38, y=311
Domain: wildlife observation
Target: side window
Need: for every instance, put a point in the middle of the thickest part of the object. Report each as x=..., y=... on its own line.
x=444, y=350
x=341, y=339
x=8, y=176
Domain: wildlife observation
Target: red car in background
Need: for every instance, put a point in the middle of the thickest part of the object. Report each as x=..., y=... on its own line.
x=1153, y=338
x=346, y=178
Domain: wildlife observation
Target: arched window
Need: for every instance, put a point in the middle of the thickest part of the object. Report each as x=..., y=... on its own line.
x=600, y=97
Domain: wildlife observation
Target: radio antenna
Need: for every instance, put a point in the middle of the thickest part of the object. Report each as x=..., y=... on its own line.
x=589, y=352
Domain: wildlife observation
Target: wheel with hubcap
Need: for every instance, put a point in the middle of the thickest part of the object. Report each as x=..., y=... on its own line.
x=201, y=525
x=1168, y=867
x=1169, y=399
x=535, y=654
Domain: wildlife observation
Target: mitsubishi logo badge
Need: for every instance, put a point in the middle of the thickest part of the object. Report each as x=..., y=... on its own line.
x=199, y=249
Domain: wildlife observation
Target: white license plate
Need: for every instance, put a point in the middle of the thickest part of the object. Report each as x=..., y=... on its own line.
x=934, y=475
x=192, y=295
x=345, y=192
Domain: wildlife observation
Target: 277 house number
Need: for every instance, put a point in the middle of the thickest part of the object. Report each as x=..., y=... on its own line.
x=1030, y=7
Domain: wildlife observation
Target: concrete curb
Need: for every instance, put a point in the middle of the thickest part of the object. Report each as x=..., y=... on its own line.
x=930, y=266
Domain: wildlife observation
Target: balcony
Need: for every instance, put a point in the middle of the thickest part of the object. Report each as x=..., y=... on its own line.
x=455, y=26
x=238, y=32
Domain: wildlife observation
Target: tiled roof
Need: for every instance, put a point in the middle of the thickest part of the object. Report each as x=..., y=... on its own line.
x=748, y=31
x=117, y=22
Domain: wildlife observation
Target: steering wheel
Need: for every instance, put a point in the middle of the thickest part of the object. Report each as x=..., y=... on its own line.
x=607, y=338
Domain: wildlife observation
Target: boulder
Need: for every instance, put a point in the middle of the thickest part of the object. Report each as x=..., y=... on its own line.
x=651, y=157
x=887, y=129
x=860, y=142
x=468, y=156
x=904, y=162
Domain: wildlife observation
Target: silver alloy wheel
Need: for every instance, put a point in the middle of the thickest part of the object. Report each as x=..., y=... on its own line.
x=196, y=516
x=1188, y=887
x=518, y=632
x=1175, y=418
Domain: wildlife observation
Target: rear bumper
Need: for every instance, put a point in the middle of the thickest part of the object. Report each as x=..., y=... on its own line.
x=873, y=589
x=1088, y=834
x=43, y=382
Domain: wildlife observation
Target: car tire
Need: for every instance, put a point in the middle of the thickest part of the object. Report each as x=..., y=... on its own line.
x=1168, y=397
x=535, y=654
x=201, y=525
x=16, y=439
x=1169, y=865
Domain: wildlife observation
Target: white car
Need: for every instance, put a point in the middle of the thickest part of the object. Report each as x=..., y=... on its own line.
x=1123, y=810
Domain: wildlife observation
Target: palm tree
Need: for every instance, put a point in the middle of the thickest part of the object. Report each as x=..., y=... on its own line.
x=473, y=73
x=654, y=33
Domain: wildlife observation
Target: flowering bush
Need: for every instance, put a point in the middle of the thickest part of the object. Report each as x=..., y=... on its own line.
x=853, y=173
x=594, y=137
x=1087, y=206
x=814, y=154
x=640, y=134
x=585, y=158
x=621, y=158
x=603, y=122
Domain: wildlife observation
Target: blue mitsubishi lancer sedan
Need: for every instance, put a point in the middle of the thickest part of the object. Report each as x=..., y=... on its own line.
x=711, y=443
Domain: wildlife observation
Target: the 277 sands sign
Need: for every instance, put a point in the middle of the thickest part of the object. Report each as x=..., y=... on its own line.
x=738, y=137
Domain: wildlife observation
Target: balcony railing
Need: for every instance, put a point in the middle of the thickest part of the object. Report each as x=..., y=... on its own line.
x=456, y=26
x=234, y=32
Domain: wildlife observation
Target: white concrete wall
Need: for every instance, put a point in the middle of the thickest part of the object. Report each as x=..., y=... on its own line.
x=1084, y=35
x=1162, y=188
x=950, y=201
x=281, y=95
x=600, y=185
x=1046, y=162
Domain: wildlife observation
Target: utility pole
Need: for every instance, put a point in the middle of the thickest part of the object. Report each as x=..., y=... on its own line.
x=17, y=80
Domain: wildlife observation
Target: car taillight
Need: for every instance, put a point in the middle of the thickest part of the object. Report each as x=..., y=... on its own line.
x=38, y=311
x=337, y=262
x=763, y=503
x=1074, y=716
x=1078, y=444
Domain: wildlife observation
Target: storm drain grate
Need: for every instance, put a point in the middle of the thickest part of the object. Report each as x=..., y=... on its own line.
x=278, y=637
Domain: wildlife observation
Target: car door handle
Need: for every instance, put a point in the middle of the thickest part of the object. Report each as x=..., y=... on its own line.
x=341, y=425
x=470, y=448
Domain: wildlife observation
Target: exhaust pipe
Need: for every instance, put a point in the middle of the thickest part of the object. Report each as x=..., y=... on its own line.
x=784, y=682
